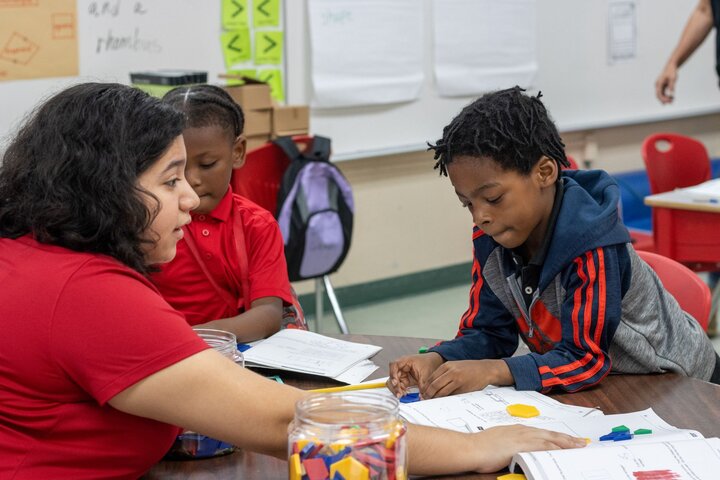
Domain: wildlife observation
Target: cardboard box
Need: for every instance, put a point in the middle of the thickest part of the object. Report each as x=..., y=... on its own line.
x=256, y=141
x=252, y=95
x=258, y=122
x=290, y=120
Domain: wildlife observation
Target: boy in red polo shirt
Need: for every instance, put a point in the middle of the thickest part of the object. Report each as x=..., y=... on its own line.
x=229, y=272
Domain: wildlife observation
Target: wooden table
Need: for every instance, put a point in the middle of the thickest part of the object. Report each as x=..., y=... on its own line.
x=685, y=229
x=681, y=401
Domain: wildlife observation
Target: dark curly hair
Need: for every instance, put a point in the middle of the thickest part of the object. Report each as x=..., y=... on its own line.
x=69, y=177
x=206, y=105
x=512, y=128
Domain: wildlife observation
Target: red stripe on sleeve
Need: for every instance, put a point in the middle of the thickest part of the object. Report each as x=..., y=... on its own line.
x=466, y=320
x=593, y=340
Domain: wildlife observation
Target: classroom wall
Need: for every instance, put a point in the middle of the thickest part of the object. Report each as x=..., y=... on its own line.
x=408, y=219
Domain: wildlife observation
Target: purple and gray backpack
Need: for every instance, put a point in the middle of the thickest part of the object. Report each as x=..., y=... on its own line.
x=315, y=210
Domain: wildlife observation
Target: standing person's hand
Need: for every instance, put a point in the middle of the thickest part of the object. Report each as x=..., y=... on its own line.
x=665, y=84
x=461, y=376
x=412, y=370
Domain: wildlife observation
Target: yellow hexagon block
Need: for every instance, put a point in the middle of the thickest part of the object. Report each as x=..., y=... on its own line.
x=524, y=411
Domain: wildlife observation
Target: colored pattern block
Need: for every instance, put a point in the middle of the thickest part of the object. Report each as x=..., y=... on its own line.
x=410, y=398
x=315, y=469
x=523, y=411
x=350, y=469
x=512, y=476
x=356, y=453
x=296, y=469
x=616, y=436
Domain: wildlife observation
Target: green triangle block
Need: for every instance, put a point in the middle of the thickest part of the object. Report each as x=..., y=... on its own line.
x=621, y=428
x=642, y=431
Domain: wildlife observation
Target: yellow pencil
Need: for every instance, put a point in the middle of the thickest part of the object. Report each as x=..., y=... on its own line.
x=346, y=388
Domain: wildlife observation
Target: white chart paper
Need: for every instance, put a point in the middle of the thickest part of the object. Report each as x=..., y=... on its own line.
x=483, y=45
x=366, y=52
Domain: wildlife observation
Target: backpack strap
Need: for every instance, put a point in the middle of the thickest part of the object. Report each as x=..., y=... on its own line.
x=320, y=148
x=288, y=147
x=318, y=151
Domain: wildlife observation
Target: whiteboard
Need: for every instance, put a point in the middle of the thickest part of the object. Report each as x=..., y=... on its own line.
x=119, y=36
x=580, y=88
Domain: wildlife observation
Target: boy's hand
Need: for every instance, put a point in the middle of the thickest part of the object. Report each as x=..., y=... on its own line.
x=496, y=446
x=462, y=376
x=412, y=370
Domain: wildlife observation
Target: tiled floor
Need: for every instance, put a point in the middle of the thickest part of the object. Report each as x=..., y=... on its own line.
x=430, y=315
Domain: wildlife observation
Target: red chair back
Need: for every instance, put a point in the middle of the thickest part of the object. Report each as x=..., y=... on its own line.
x=573, y=163
x=260, y=177
x=684, y=163
x=689, y=290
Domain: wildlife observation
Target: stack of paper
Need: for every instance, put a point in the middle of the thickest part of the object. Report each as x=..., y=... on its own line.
x=474, y=411
x=707, y=191
x=307, y=352
x=662, y=452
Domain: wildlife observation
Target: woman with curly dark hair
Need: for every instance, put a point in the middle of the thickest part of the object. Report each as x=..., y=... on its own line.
x=96, y=369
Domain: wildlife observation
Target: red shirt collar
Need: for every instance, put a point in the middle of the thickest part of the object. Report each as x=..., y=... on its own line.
x=222, y=211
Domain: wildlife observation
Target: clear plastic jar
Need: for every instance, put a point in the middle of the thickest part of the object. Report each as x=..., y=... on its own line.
x=357, y=434
x=190, y=445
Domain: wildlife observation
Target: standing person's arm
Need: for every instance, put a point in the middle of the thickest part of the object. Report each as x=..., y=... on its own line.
x=208, y=393
x=697, y=28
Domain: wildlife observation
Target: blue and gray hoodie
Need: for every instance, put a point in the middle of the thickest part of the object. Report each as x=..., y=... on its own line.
x=597, y=306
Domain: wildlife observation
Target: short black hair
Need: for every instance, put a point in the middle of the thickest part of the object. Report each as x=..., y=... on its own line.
x=70, y=175
x=512, y=128
x=206, y=105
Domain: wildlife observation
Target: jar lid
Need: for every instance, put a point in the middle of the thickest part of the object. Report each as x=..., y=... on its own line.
x=347, y=408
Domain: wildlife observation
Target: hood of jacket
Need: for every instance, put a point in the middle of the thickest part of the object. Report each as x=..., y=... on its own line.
x=588, y=218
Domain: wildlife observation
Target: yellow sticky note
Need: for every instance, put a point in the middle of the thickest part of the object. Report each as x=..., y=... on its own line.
x=268, y=47
x=274, y=78
x=266, y=13
x=512, y=476
x=236, y=46
x=524, y=411
x=234, y=14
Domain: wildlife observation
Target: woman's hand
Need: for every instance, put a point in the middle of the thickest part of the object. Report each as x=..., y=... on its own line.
x=495, y=446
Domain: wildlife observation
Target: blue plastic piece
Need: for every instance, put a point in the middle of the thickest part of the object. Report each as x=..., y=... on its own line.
x=243, y=346
x=616, y=436
x=410, y=398
x=307, y=450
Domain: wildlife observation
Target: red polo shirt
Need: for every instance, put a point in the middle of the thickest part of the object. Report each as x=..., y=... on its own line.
x=79, y=328
x=186, y=287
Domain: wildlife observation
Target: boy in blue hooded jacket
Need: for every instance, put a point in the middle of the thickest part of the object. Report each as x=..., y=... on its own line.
x=553, y=264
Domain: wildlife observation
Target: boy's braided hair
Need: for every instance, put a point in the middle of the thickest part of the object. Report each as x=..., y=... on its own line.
x=512, y=128
x=206, y=105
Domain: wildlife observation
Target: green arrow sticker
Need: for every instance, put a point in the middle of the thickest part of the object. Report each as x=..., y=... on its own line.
x=268, y=48
x=236, y=46
x=266, y=13
x=274, y=78
x=234, y=14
